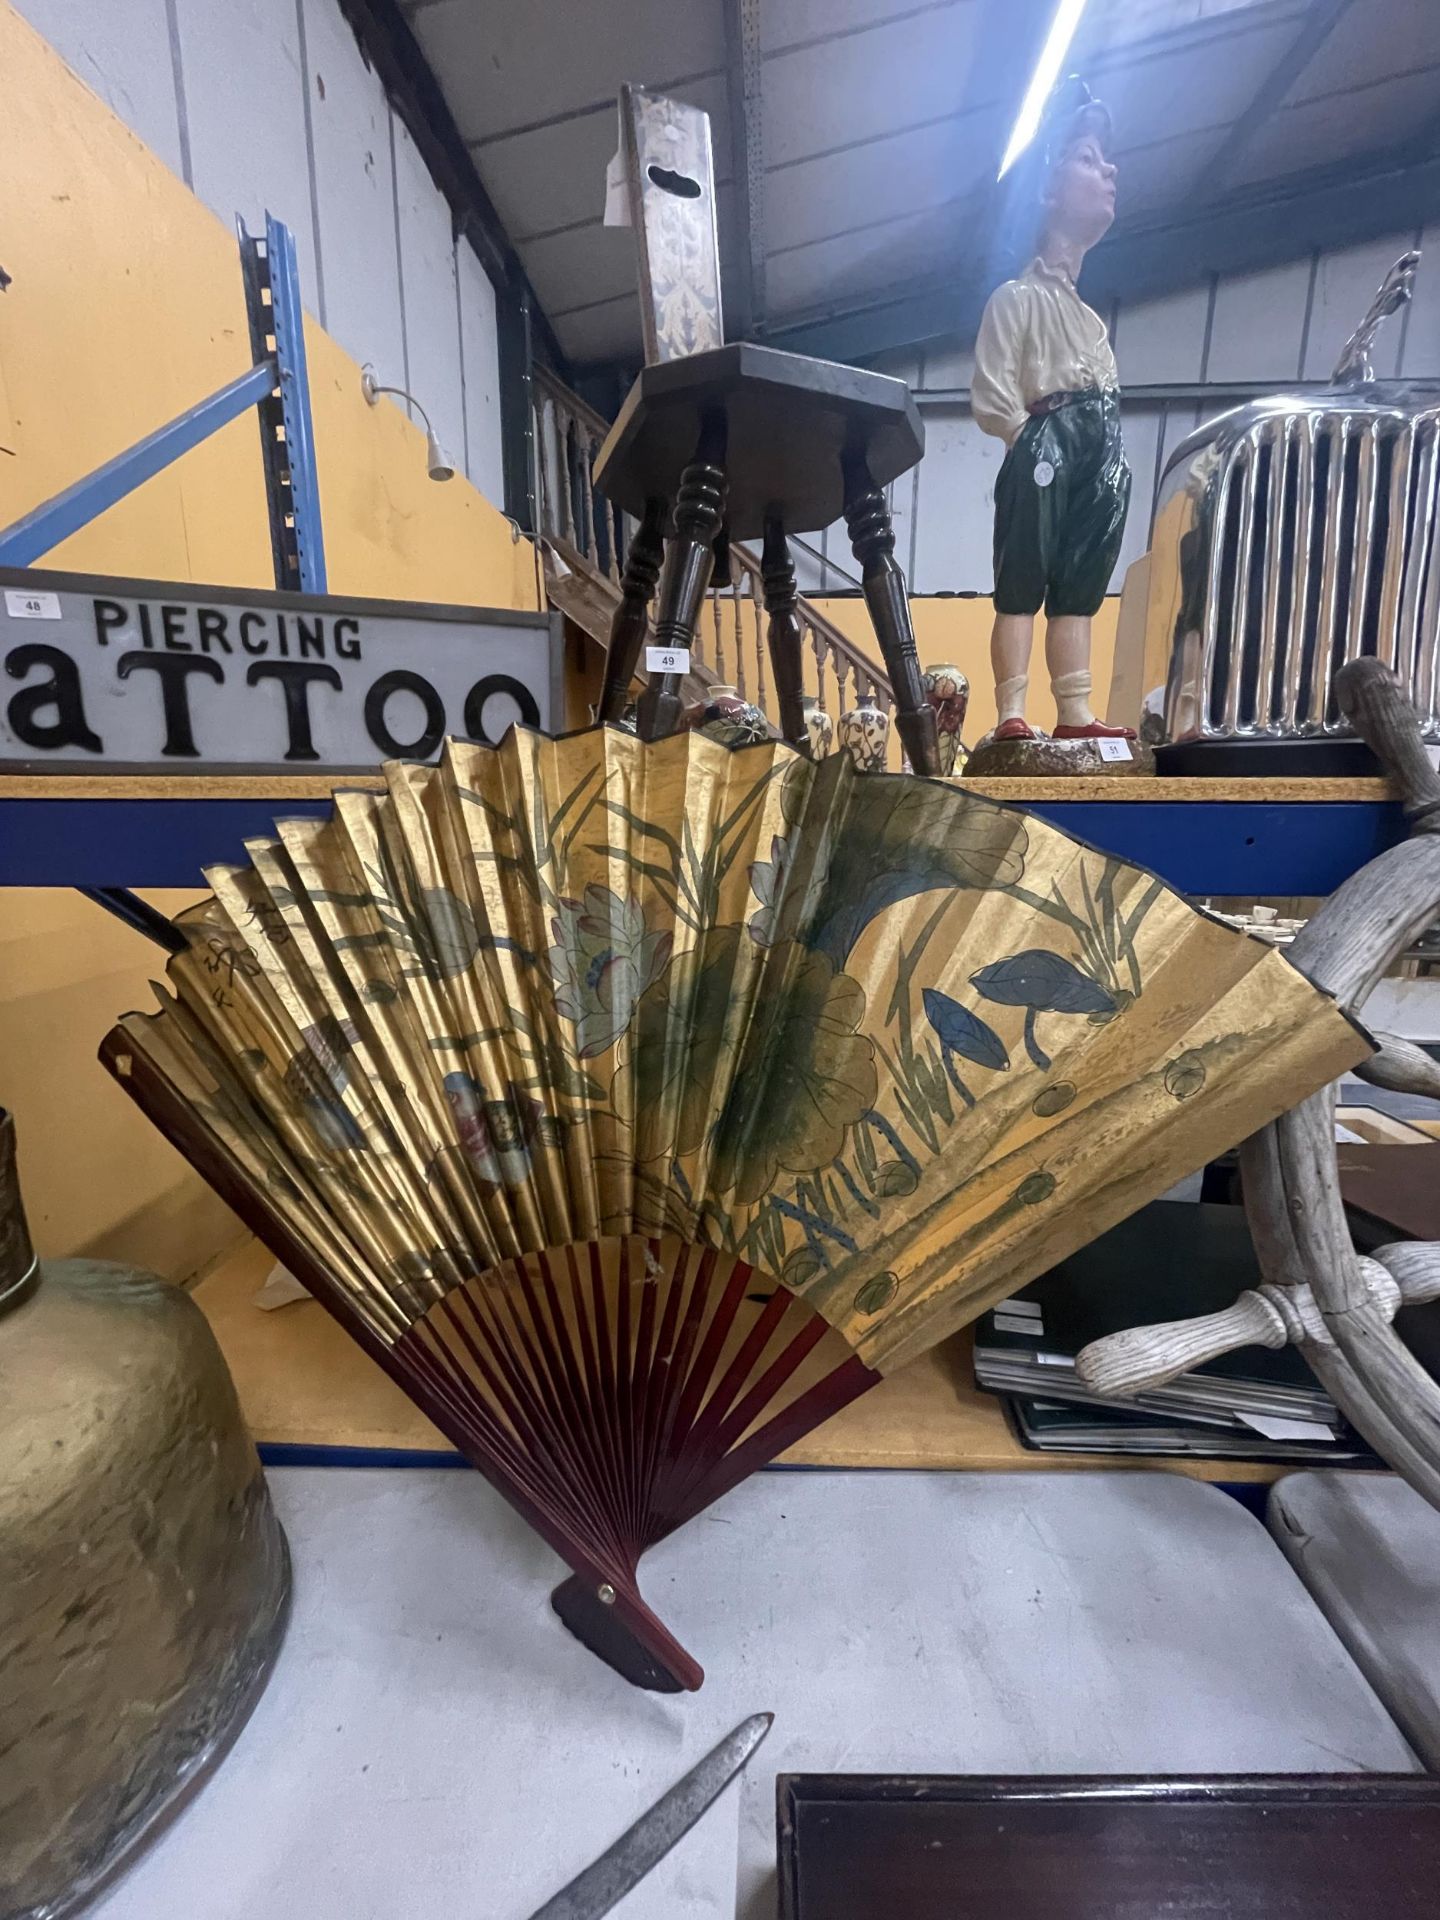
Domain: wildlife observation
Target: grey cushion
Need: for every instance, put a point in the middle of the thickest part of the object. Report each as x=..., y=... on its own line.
x=434, y=1742
x=1368, y=1548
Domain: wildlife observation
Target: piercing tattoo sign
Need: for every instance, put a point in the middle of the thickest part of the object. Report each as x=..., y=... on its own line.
x=116, y=674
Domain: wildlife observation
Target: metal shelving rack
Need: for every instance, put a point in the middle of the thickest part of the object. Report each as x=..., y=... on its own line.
x=105, y=833
x=1277, y=838
x=92, y=843
x=277, y=385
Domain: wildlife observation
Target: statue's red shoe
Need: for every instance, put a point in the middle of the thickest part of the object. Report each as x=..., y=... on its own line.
x=1092, y=730
x=1014, y=730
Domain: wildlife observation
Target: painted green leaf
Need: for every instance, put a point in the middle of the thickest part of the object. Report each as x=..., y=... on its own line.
x=806, y=1083
x=876, y=1293
x=963, y=1032
x=800, y=1266
x=1044, y=982
x=681, y=1040
x=896, y=1178
x=453, y=941
x=1053, y=1100
x=892, y=840
x=779, y=911
x=1035, y=1187
x=1185, y=1075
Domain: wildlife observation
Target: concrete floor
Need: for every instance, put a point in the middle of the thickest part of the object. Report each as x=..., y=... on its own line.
x=1367, y=1547
x=434, y=1743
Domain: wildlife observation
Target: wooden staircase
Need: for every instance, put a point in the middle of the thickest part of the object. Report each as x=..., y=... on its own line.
x=583, y=539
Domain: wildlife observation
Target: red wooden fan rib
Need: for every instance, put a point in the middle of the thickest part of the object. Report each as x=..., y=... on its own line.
x=605, y=1430
x=614, y=1410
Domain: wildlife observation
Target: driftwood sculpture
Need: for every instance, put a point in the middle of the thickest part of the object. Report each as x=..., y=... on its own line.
x=1318, y=1293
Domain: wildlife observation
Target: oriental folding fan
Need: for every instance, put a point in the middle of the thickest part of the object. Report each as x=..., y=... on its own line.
x=637, y=1106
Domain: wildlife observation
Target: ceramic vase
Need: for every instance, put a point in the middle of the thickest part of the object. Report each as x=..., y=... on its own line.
x=722, y=715
x=865, y=735
x=948, y=691
x=818, y=726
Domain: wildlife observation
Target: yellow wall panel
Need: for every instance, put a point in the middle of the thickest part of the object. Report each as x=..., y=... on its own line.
x=956, y=632
x=97, y=1178
x=390, y=530
x=125, y=308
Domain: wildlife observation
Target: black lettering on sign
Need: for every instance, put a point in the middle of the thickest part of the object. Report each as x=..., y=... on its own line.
x=400, y=681
x=147, y=638
x=211, y=622
x=310, y=637
x=247, y=620
x=172, y=624
x=109, y=614
x=295, y=681
x=347, y=638
x=61, y=691
x=284, y=636
x=485, y=690
x=174, y=695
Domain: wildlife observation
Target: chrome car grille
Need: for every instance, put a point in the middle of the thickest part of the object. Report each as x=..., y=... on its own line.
x=1302, y=533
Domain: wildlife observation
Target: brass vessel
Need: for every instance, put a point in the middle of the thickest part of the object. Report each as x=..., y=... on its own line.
x=144, y=1578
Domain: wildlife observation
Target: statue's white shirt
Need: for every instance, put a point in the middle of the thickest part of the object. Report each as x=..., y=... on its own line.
x=1037, y=337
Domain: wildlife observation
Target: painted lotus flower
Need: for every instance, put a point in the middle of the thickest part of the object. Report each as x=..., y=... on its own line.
x=497, y=1136
x=603, y=959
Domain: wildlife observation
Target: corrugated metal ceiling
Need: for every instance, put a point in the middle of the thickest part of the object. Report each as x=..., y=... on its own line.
x=881, y=123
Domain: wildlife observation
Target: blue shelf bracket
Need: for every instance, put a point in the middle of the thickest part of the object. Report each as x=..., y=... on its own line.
x=287, y=435
x=277, y=385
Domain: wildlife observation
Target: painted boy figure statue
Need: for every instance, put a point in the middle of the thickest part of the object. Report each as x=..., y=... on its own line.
x=1045, y=383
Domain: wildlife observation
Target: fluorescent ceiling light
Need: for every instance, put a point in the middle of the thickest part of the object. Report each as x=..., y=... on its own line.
x=1042, y=81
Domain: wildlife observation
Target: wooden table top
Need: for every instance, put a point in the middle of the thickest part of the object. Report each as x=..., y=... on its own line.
x=303, y=1382
x=316, y=786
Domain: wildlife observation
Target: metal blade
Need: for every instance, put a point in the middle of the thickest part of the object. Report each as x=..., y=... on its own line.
x=619, y=1868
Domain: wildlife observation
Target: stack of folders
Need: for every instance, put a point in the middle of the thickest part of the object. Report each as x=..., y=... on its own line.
x=1173, y=1260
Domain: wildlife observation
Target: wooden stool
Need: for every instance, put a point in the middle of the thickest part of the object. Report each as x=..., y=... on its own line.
x=744, y=441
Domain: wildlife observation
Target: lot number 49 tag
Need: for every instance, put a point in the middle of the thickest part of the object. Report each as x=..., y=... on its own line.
x=667, y=659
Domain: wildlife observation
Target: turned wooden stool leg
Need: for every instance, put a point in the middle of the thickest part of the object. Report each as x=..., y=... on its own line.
x=627, y=625
x=872, y=539
x=689, y=561
x=777, y=571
